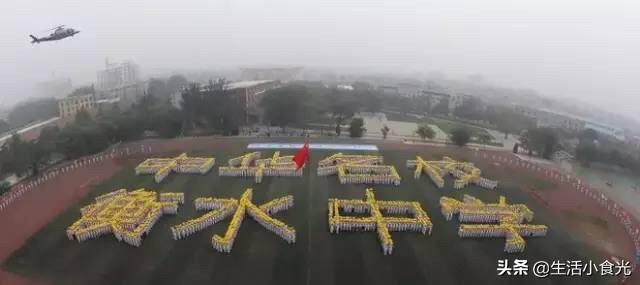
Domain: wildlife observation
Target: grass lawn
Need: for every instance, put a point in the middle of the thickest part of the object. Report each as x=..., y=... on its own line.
x=260, y=257
x=447, y=126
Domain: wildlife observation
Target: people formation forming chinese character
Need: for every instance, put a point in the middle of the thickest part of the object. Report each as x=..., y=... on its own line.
x=131, y=215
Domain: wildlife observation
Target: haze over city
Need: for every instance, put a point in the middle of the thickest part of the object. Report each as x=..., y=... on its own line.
x=570, y=49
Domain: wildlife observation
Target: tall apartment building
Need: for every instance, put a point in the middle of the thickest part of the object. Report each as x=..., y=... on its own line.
x=120, y=80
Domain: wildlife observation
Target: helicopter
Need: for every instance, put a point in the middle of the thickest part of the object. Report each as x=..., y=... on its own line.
x=59, y=32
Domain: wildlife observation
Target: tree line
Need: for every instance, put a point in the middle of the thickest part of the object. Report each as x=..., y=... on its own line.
x=205, y=108
x=593, y=148
x=300, y=104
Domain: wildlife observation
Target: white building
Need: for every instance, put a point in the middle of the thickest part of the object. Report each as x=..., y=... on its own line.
x=120, y=80
x=557, y=119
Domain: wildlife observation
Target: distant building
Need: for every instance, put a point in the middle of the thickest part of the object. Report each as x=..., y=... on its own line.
x=409, y=89
x=456, y=100
x=120, y=80
x=344, y=87
x=106, y=105
x=556, y=119
x=250, y=93
x=605, y=129
x=389, y=89
x=284, y=74
x=55, y=88
x=435, y=98
x=402, y=89
x=69, y=106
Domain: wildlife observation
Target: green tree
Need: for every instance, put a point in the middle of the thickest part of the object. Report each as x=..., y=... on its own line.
x=586, y=153
x=4, y=126
x=588, y=135
x=370, y=101
x=460, y=136
x=425, y=131
x=32, y=111
x=469, y=110
x=342, y=107
x=441, y=108
x=19, y=156
x=4, y=187
x=507, y=120
x=176, y=83
x=286, y=106
x=542, y=140
x=83, y=117
x=212, y=107
x=356, y=128
x=158, y=87
x=165, y=120
x=385, y=131
x=82, y=139
x=484, y=138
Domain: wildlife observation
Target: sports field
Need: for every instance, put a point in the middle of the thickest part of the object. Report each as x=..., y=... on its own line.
x=260, y=257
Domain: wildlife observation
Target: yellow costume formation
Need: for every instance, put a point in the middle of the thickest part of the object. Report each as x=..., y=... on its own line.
x=359, y=169
x=220, y=209
x=128, y=215
x=161, y=167
x=510, y=219
x=464, y=172
x=250, y=164
x=419, y=221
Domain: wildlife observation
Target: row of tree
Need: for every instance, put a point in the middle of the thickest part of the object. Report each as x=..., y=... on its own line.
x=209, y=108
x=29, y=112
x=90, y=134
x=459, y=136
x=504, y=118
x=592, y=148
x=299, y=104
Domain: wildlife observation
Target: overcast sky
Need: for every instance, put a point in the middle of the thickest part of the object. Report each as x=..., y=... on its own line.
x=575, y=49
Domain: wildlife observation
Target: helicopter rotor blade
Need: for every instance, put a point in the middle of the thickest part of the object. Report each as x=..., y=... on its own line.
x=54, y=28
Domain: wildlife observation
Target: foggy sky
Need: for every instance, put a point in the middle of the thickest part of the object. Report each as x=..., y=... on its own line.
x=572, y=49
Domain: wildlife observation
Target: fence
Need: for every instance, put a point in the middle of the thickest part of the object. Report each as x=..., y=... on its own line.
x=630, y=223
x=32, y=183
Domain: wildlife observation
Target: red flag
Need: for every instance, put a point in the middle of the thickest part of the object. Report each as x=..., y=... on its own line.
x=302, y=155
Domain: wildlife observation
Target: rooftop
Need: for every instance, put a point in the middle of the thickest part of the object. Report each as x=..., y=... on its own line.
x=108, y=101
x=245, y=84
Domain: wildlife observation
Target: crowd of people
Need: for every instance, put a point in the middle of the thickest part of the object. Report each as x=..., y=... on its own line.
x=128, y=215
x=220, y=209
x=497, y=220
x=250, y=165
x=359, y=169
x=225, y=244
x=464, y=172
x=419, y=221
x=171, y=197
x=162, y=167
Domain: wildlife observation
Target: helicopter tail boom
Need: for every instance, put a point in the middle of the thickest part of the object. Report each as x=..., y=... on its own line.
x=35, y=40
